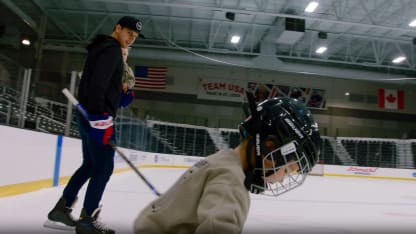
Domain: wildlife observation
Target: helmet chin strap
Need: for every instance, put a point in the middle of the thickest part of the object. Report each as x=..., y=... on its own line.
x=249, y=147
x=253, y=177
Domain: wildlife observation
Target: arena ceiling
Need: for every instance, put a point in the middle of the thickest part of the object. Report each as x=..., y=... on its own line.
x=358, y=34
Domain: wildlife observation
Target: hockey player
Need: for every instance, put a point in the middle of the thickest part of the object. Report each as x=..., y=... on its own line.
x=280, y=145
x=100, y=93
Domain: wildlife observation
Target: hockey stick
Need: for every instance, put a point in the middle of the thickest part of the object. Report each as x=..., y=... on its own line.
x=84, y=113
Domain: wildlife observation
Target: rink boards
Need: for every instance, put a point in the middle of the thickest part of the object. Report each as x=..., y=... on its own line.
x=32, y=160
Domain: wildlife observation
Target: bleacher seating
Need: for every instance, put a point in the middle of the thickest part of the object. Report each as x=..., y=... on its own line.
x=37, y=115
x=135, y=134
x=414, y=153
x=388, y=155
x=203, y=143
x=5, y=107
x=328, y=155
x=233, y=138
x=186, y=140
x=371, y=153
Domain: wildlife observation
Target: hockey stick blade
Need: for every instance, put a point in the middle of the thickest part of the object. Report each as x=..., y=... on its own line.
x=58, y=226
x=84, y=113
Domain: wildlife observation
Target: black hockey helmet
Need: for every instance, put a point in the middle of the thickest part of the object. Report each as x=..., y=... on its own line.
x=296, y=141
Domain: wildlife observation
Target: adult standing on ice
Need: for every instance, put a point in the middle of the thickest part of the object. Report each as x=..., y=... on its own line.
x=100, y=93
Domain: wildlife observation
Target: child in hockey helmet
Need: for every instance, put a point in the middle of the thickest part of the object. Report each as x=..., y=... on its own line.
x=285, y=140
x=280, y=145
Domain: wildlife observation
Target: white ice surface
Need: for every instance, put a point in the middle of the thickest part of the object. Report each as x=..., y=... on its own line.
x=322, y=205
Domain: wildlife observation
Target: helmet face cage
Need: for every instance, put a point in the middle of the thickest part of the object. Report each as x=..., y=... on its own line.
x=282, y=170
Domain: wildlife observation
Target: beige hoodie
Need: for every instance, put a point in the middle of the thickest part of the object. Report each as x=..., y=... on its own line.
x=209, y=197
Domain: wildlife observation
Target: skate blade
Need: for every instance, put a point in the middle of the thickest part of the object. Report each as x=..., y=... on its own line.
x=58, y=225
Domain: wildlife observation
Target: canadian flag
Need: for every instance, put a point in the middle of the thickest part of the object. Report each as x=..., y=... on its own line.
x=391, y=98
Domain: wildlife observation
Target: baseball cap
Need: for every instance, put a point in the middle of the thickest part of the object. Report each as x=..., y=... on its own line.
x=131, y=23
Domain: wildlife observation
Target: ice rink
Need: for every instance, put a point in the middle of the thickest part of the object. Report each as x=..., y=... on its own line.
x=321, y=205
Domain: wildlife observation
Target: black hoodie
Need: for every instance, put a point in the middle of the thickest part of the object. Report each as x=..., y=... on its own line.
x=100, y=85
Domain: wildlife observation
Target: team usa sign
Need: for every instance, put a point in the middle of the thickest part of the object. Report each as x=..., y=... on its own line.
x=234, y=91
x=218, y=89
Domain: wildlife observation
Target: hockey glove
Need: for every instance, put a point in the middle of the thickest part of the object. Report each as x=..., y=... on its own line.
x=126, y=98
x=101, y=127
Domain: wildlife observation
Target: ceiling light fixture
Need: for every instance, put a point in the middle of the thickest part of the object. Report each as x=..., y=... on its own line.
x=321, y=50
x=311, y=7
x=412, y=23
x=399, y=59
x=26, y=42
x=235, y=39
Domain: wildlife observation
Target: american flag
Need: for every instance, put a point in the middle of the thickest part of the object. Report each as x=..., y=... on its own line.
x=150, y=77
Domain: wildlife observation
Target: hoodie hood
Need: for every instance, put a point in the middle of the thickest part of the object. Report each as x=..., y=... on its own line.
x=102, y=41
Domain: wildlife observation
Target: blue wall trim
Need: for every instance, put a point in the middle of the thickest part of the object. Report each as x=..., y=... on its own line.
x=55, y=180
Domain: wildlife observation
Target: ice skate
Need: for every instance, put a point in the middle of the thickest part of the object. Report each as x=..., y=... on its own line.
x=60, y=217
x=90, y=224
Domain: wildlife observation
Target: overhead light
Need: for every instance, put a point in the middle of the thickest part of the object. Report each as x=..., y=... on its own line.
x=311, y=7
x=412, y=23
x=399, y=59
x=235, y=39
x=321, y=50
x=347, y=94
x=26, y=42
